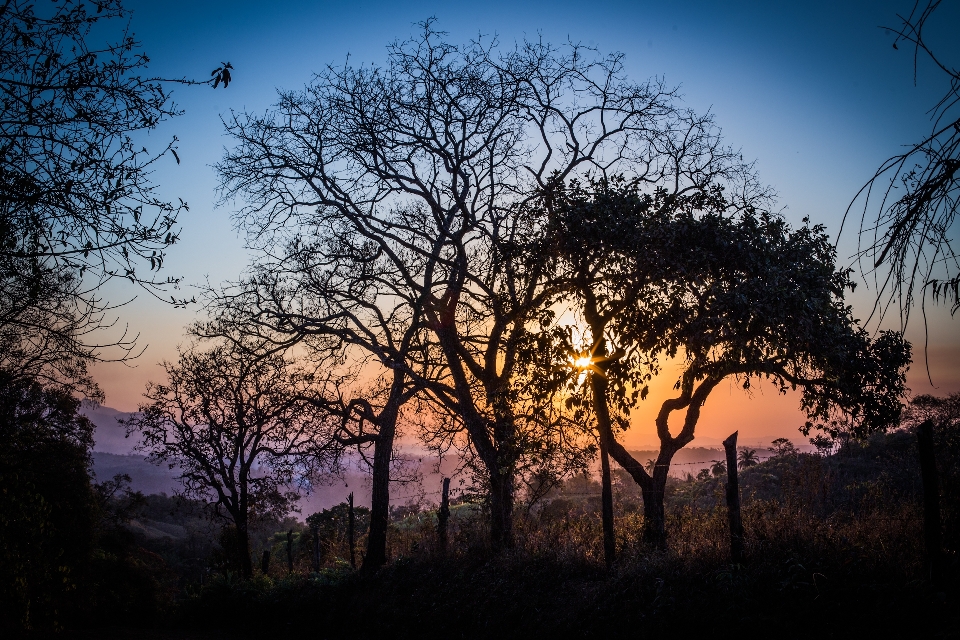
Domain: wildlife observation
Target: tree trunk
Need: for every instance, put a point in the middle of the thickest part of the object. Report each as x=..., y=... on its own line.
x=376, y=555
x=316, y=549
x=931, y=501
x=243, y=535
x=501, y=509
x=350, y=533
x=733, y=500
x=496, y=452
x=598, y=387
x=443, y=515
x=290, y=551
x=606, y=500
x=243, y=550
x=654, y=522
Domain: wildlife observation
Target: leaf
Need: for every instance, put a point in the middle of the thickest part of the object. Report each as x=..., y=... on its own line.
x=174, y=152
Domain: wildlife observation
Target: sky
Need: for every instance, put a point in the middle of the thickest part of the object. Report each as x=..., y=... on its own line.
x=813, y=92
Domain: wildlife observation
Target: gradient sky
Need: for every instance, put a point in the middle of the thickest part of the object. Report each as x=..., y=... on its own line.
x=813, y=91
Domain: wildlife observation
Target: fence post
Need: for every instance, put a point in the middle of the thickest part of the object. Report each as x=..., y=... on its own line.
x=353, y=551
x=316, y=548
x=733, y=500
x=443, y=514
x=290, y=551
x=265, y=562
x=931, y=501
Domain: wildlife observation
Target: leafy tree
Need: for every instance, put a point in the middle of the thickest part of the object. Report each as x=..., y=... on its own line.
x=331, y=525
x=427, y=165
x=726, y=290
x=783, y=447
x=719, y=469
x=823, y=444
x=47, y=503
x=240, y=431
x=747, y=458
x=907, y=243
x=77, y=207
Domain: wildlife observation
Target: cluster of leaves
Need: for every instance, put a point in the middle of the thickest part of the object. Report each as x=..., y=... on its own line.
x=77, y=204
x=731, y=291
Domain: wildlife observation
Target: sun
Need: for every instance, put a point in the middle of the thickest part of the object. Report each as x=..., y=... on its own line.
x=583, y=362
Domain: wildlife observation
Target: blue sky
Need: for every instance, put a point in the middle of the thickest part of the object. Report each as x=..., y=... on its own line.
x=812, y=91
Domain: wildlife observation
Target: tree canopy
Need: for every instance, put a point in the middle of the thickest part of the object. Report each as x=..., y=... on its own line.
x=77, y=204
x=723, y=291
x=240, y=430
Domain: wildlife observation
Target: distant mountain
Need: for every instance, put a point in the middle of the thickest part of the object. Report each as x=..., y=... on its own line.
x=146, y=477
x=110, y=436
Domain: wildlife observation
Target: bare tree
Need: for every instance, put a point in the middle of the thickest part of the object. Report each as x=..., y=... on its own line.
x=906, y=244
x=240, y=431
x=330, y=292
x=429, y=161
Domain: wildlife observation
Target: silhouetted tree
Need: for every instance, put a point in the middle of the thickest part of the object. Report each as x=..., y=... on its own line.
x=239, y=430
x=718, y=469
x=726, y=290
x=323, y=296
x=427, y=162
x=47, y=503
x=916, y=193
x=77, y=207
x=783, y=447
x=747, y=458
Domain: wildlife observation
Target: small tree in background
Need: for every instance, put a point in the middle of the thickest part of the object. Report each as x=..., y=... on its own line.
x=719, y=469
x=747, y=458
x=241, y=431
x=783, y=447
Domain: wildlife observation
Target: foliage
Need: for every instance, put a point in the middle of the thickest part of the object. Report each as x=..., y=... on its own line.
x=77, y=206
x=724, y=289
x=331, y=525
x=47, y=503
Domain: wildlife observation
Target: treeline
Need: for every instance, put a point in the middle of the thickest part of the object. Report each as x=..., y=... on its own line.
x=493, y=249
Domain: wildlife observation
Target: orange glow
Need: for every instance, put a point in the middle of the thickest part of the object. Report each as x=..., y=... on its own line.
x=583, y=362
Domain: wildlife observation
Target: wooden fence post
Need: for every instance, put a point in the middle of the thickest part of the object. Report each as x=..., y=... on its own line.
x=443, y=514
x=265, y=562
x=931, y=501
x=353, y=551
x=316, y=548
x=290, y=551
x=733, y=500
